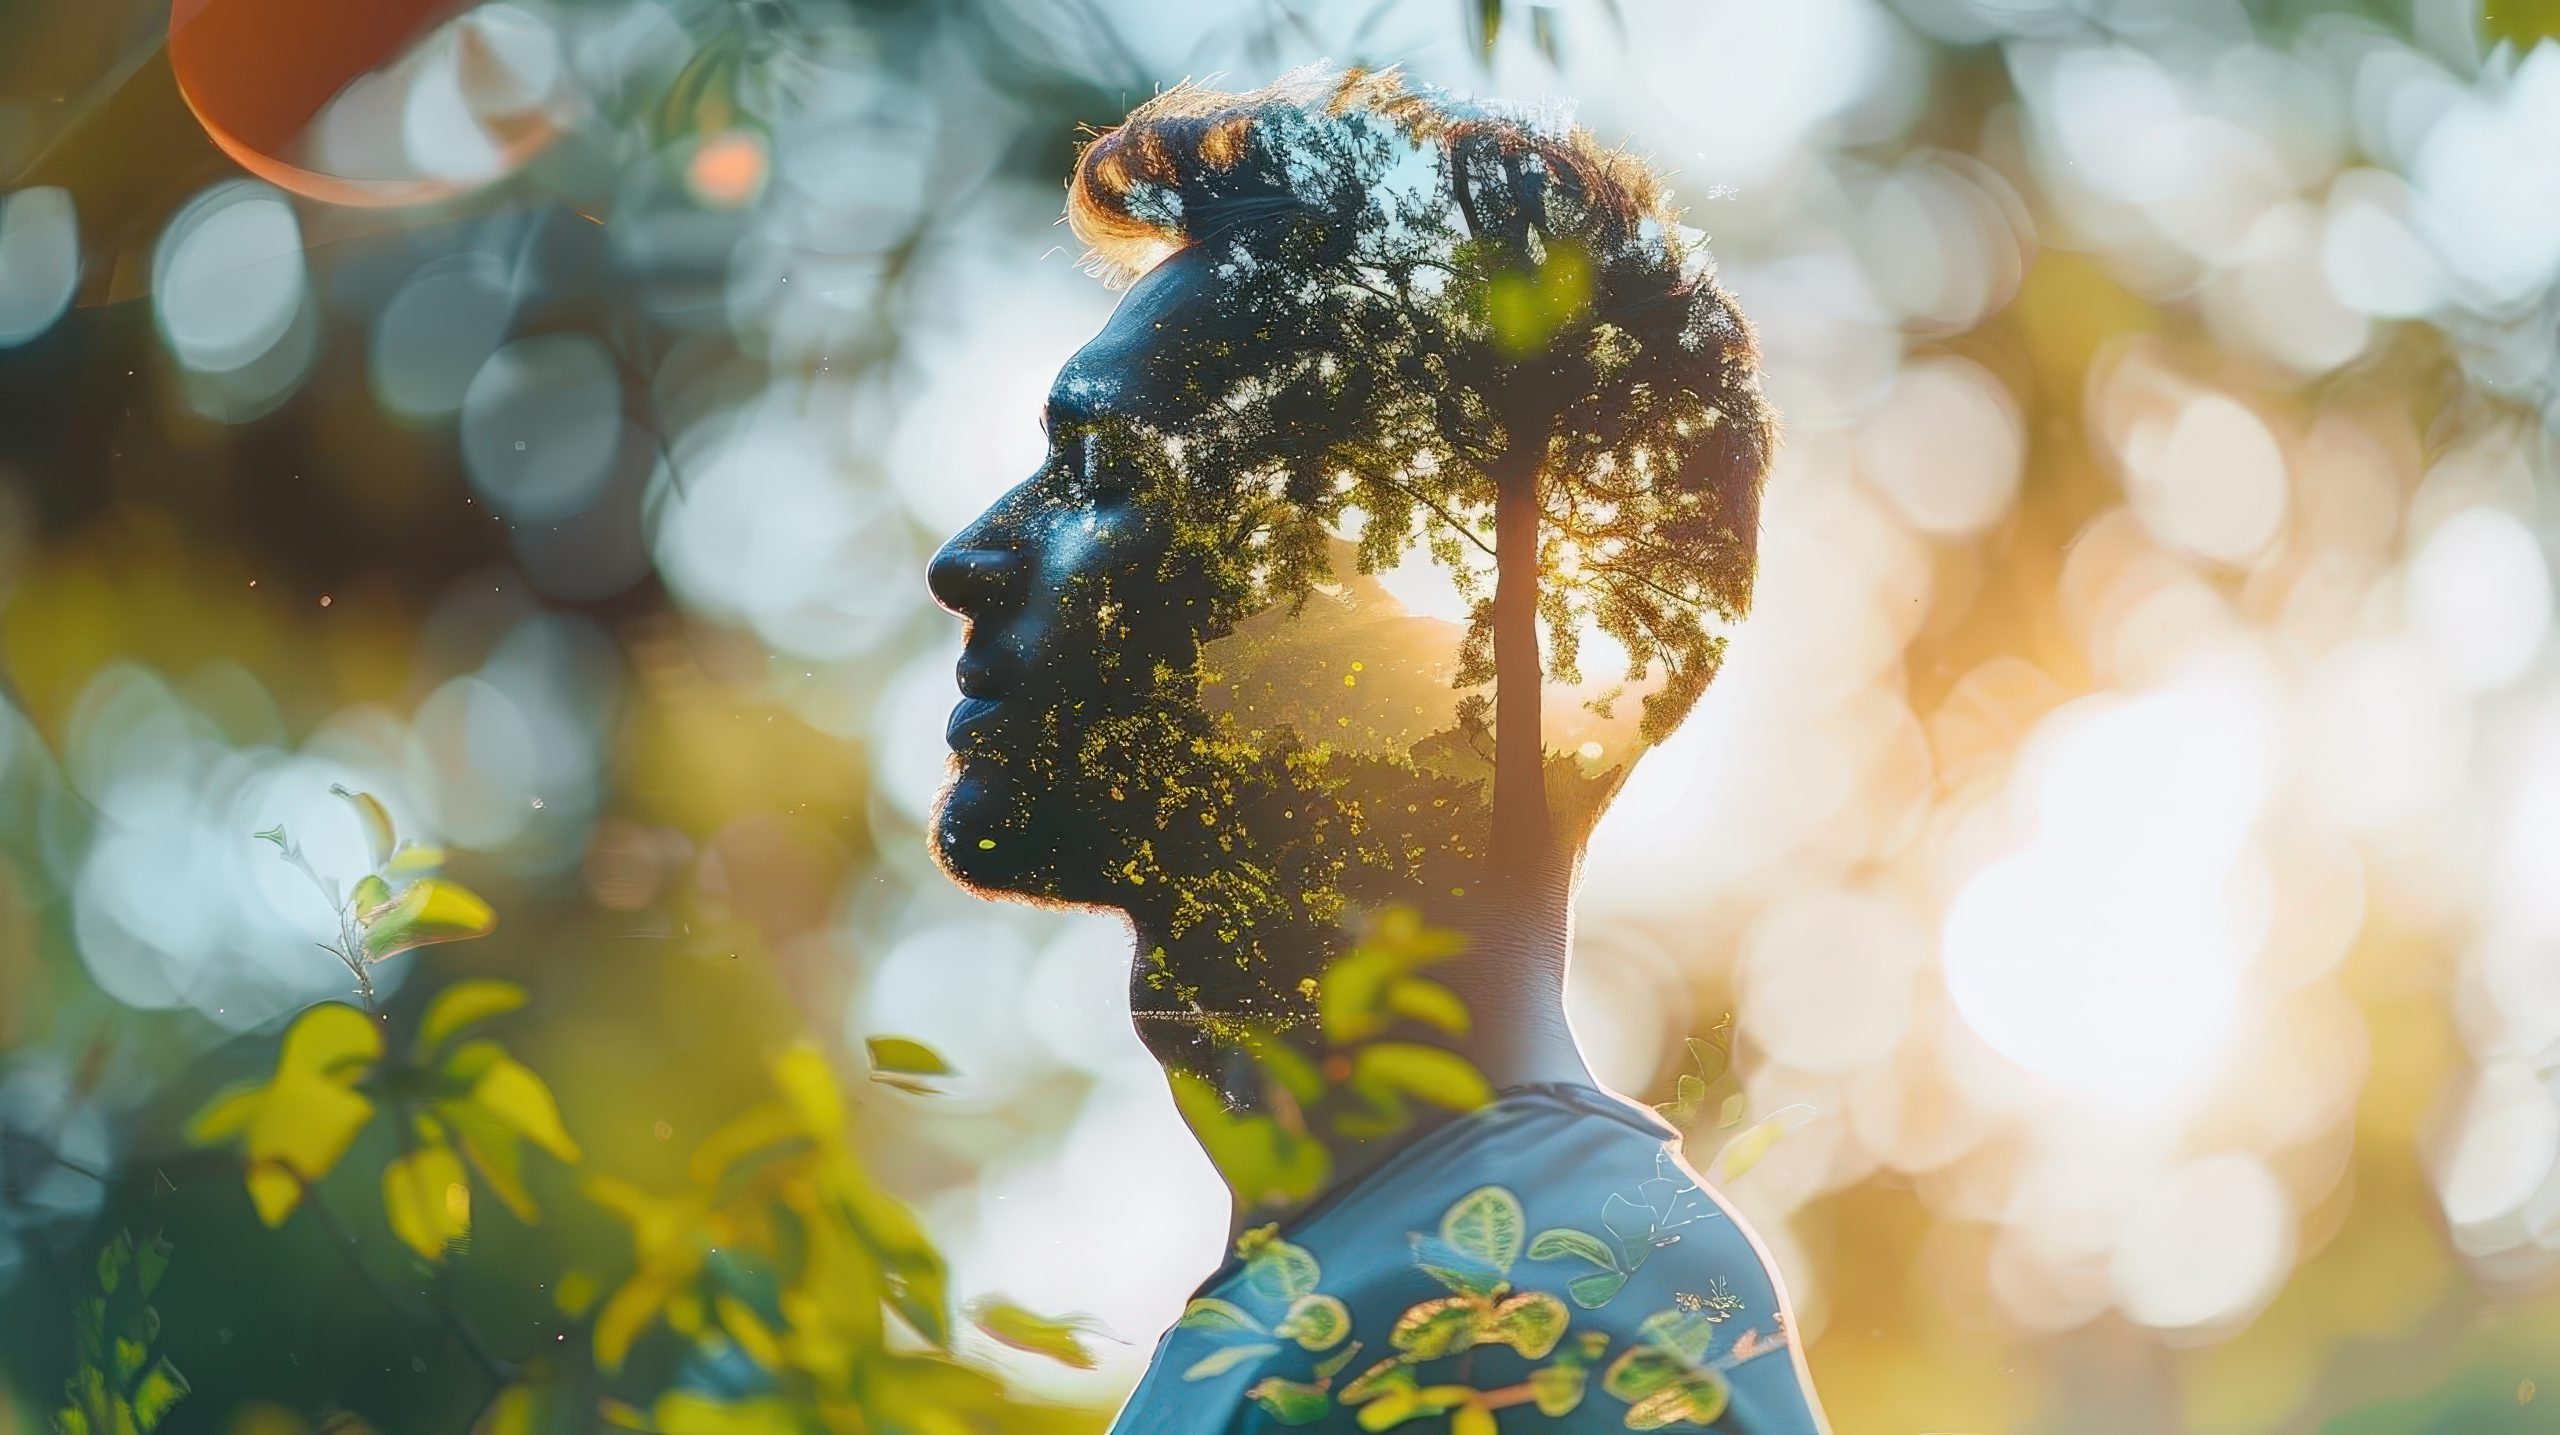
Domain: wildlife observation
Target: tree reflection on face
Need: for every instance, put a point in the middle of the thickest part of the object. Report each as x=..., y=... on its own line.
x=1392, y=346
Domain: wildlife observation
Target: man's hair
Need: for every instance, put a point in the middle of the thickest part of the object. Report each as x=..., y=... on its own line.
x=1178, y=168
x=1577, y=316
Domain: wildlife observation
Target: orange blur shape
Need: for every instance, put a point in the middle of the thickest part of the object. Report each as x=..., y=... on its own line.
x=256, y=73
x=728, y=169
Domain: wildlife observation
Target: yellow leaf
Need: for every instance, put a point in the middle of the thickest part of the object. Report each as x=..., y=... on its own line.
x=302, y=1126
x=757, y=1129
x=413, y=860
x=464, y=1004
x=494, y=1155
x=626, y=1313
x=575, y=1292
x=274, y=1191
x=379, y=835
x=904, y=1056
x=512, y=1413
x=418, y=1196
x=1426, y=1001
x=748, y=1330
x=331, y=1040
x=1747, y=1147
x=226, y=1115
x=431, y=910
x=1059, y=1338
x=511, y=1094
x=683, y=1412
x=809, y=1085
x=1472, y=1420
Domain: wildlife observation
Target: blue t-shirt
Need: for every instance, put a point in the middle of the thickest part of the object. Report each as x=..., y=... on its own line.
x=1547, y=1263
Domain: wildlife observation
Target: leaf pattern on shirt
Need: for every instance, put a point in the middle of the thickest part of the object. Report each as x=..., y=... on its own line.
x=1667, y=1374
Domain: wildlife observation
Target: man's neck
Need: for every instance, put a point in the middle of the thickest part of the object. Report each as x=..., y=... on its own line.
x=1508, y=976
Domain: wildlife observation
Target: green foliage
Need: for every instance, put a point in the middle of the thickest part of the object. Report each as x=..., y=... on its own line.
x=906, y=1064
x=1665, y=1377
x=781, y=1251
x=1060, y=1338
x=903, y=1056
x=121, y=1383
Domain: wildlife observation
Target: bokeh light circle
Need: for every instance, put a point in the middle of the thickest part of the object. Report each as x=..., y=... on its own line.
x=39, y=261
x=541, y=422
x=229, y=277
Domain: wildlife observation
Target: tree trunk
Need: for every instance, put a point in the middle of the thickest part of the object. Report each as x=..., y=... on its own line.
x=1521, y=838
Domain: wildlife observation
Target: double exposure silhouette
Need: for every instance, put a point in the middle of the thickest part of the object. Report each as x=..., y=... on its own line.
x=1387, y=522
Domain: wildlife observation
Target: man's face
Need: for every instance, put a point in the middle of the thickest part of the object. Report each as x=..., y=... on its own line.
x=1183, y=690
x=1077, y=629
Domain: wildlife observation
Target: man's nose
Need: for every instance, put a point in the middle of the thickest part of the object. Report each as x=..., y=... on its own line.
x=970, y=576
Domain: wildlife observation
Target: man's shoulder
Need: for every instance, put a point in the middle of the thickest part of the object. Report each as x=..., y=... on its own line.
x=1580, y=1274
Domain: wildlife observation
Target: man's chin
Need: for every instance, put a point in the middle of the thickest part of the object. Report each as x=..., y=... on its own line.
x=985, y=838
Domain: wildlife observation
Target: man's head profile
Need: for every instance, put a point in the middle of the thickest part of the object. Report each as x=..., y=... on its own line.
x=1387, y=521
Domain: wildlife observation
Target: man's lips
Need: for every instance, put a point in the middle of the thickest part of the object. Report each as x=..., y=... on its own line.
x=960, y=733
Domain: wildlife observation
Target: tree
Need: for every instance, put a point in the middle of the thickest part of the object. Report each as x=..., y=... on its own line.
x=1509, y=356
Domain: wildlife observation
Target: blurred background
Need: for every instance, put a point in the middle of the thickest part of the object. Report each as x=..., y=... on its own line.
x=2130, y=822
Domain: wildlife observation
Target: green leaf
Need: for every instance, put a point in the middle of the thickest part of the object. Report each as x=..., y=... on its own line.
x=1744, y=1150
x=1352, y=995
x=1315, y=1322
x=1263, y=1164
x=1435, y=1328
x=903, y=1056
x=1487, y=1224
x=1557, y=1389
x=275, y=835
x=1291, y=1402
x=1714, y=1054
x=1564, y=1242
x=1686, y=1334
x=1275, y=1268
x=509, y=1093
x=113, y=1259
x=1596, y=1289
x=1527, y=310
x=1530, y=1323
x=1632, y=1225
x=1546, y=34
x=379, y=835
x=1391, y=1407
x=431, y=910
x=1488, y=24
x=150, y=1262
x=425, y=1197
x=462, y=1004
x=1391, y=1374
x=1059, y=1338
x=371, y=895
x=1458, y=1271
x=1210, y=1313
x=1426, y=1001
x=1640, y=1372
x=1697, y=1398
x=1383, y=1070
x=1219, y=1362
x=412, y=860
x=159, y=1392
x=1693, y=1095
x=1287, y=1066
